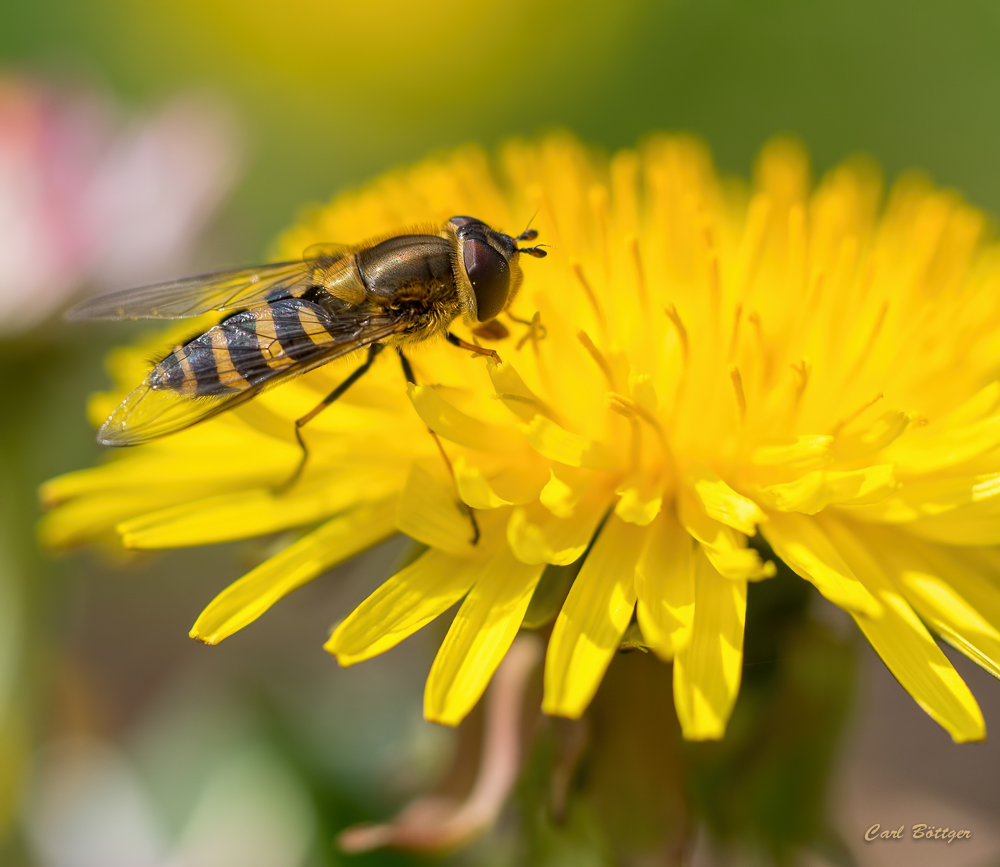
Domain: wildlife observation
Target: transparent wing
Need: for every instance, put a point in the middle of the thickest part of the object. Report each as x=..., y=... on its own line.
x=232, y=289
x=149, y=413
x=236, y=360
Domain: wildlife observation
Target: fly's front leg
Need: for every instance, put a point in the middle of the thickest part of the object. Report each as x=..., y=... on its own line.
x=373, y=350
x=408, y=373
x=455, y=340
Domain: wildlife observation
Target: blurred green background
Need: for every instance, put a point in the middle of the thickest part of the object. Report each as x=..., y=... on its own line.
x=326, y=95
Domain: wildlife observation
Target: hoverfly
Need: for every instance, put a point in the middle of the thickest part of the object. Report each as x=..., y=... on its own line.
x=287, y=318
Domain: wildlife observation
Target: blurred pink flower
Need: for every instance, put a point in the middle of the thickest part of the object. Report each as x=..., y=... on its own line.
x=91, y=198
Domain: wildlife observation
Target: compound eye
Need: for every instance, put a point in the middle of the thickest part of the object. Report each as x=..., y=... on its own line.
x=489, y=275
x=462, y=222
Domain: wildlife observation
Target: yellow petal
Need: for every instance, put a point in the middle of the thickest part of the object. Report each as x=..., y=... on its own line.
x=247, y=599
x=89, y=517
x=804, y=547
x=475, y=491
x=907, y=648
x=971, y=571
x=939, y=446
x=243, y=514
x=510, y=388
x=982, y=404
x=916, y=500
x=863, y=444
x=642, y=390
x=453, y=424
x=535, y=535
x=726, y=548
x=963, y=510
x=708, y=669
x=482, y=488
x=664, y=585
x=955, y=599
x=198, y=477
x=798, y=453
x=565, y=489
x=558, y=444
x=722, y=503
x=524, y=485
x=479, y=637
x=429, y=513
x=816, y=490
x=408, y=601
x=593, y=619
x=954, y=619
x=970, y=526
x=640, y=498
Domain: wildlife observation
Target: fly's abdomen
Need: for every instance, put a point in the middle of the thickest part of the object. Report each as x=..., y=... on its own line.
x=245, y=349
x=207, y=364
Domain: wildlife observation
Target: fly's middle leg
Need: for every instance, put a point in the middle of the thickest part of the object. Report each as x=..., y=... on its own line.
x=373, y=350
x=408, y=373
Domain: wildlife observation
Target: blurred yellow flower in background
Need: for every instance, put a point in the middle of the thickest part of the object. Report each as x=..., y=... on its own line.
x=719, y=360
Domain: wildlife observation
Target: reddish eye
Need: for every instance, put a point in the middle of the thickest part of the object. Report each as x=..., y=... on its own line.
x=490, y=277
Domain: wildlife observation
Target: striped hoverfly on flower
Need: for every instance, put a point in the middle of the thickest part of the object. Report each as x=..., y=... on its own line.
x=287, y=318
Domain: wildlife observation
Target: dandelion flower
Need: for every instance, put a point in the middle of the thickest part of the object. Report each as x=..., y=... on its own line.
x=710, y=360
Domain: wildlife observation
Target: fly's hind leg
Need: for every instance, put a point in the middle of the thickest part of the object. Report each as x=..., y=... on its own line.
x=373, y=350
x=408, y=373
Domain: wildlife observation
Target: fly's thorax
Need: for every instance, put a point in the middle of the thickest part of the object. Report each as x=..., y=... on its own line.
x=485, y=262
x=411, y=277
x=406, y=265
x=428, y=314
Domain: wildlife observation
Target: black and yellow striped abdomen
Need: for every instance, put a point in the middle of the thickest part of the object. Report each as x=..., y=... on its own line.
x=247, y=348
